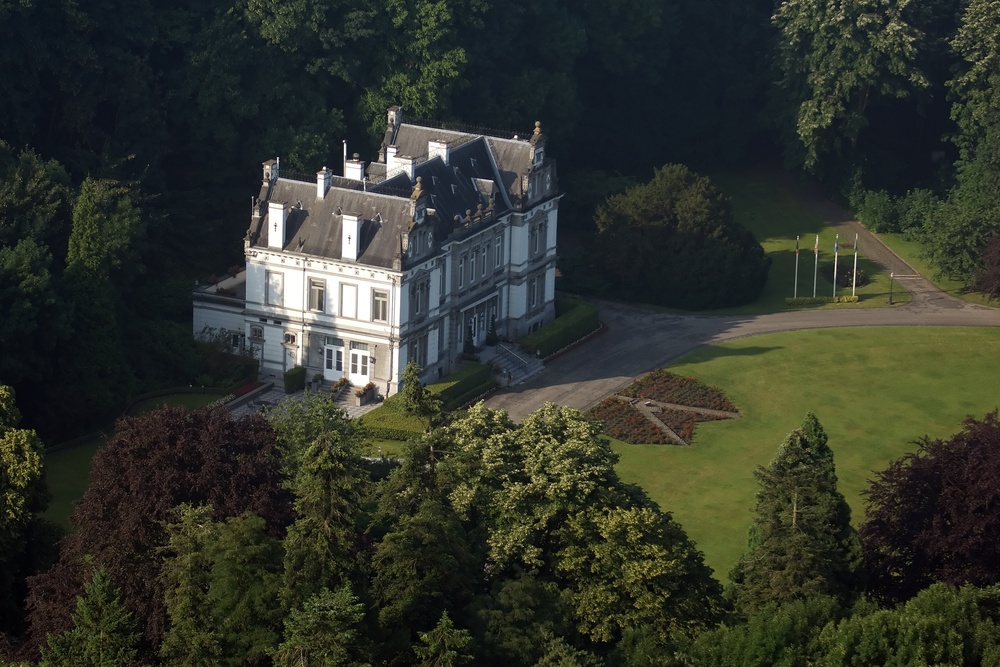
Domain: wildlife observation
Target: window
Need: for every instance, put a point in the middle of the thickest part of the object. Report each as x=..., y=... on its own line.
x=420, y=298
x=461, y=272
x=275, y=288
x=317, y=295
x=498, y=252
x=236, y=341
x=472, y=267
x=418, y=351
x=257, y=332
x=289, y=339
x=359, y=358
x=349, y=301
x=536, y=290
x=380, y=306
x=485, y=248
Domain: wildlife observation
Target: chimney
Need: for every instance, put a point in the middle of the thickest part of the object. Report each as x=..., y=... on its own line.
x=390, y=157
x=270, y=172
x=438, y=148
x=408, y=164
x=394, y=117
x=350, y=230
x=276, y=224
x=354, y=168
x=324, y=178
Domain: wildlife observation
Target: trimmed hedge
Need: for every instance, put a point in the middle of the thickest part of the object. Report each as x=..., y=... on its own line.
x=454, y=389
x=575, y=318
x=295, y=379
x=387, y=433
x=812, y=300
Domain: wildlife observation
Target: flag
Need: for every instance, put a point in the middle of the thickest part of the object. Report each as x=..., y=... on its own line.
x=836, y=245
x=796, y=246
x=816, y=247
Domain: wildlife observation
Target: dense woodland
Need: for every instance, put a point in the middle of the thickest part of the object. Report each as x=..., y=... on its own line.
x=130, y=141
x=131, y=136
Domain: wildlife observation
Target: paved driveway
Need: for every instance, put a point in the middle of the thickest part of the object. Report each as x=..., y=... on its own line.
x=637, y=340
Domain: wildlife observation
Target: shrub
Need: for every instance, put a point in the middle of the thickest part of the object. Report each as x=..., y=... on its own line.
x=813, y=300
x=845, y=276
x=474, y=379
x=575, y=318
x=878, y=211
x=295, y=379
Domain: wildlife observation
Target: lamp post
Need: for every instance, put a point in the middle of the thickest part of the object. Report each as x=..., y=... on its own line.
x=891, y=275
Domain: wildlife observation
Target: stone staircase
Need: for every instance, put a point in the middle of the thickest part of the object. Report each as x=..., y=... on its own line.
x=515, y=366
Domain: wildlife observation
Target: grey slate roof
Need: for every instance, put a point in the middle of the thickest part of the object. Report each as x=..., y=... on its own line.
x=483, y=173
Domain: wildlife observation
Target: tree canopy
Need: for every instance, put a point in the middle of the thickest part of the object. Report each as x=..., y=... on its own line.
x=801, y=543
x=930, y=516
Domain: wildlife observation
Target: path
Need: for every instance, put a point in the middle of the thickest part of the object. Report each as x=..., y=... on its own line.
x=637, y=341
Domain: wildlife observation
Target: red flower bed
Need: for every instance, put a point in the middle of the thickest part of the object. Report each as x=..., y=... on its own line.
x=679, y=421
x=662, y=385
x=624, y=421
x=245, y=389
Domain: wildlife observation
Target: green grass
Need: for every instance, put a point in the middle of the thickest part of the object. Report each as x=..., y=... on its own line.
x=189, y=401
x=68, y=473
x=912, y=253
x=875, y=390
x=776, y=216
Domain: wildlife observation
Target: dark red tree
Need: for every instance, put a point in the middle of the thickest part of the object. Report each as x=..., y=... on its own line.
x=934, y=515
x=153, y=463
x=987, y=281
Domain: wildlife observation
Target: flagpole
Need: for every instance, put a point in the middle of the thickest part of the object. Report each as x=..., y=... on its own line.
x=836, y=255
x=854, y=286
x=795, y=288
x=816, y=265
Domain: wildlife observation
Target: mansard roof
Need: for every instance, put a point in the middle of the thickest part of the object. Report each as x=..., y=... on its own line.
x=482, y=179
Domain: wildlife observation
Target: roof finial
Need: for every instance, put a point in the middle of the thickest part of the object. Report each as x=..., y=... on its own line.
x=538, y=127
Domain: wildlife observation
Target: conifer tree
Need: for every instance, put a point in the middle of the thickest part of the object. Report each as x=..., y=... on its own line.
x=801, y=542
x=104, y=632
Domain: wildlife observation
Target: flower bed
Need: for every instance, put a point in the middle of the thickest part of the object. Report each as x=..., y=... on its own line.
x=245, y=389
x=666, y=387
x=623, y=421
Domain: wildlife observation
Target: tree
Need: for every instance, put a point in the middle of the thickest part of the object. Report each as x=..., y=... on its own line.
x=417, y=399
x=987, y=281
x=152, y=464
x=673, y=241
x=321, y=546
x=23, y=497
x=976, y=87
x=931, y=515
x=104, y=632
x=943, y=625
x=834, y=59
x=325, y=632
x=444, y=646
x=191, y=639
x=801, y=542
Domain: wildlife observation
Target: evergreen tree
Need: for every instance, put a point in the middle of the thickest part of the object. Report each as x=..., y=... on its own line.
x=417, y=399
x=801, y=542
x=444, y=646
x=325, y=632
x=320, y=546
x=104, y=633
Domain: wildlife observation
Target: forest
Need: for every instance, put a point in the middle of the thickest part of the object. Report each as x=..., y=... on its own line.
x=131, y=136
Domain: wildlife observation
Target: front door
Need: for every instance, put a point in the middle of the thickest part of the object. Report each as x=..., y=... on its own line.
x=333, y=363
x=359, y=367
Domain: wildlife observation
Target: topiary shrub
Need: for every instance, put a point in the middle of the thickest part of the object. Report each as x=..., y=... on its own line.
x=295, y=379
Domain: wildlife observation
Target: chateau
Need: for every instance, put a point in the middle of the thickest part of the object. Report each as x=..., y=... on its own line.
x=447, y=234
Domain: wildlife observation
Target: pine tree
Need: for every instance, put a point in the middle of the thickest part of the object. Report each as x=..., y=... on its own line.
x=104, y=633
x=801, y=542
x=444, y=646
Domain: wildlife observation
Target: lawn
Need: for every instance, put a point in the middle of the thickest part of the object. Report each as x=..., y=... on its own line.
x=68, y=470
x=776, y=215
x=875, y=390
